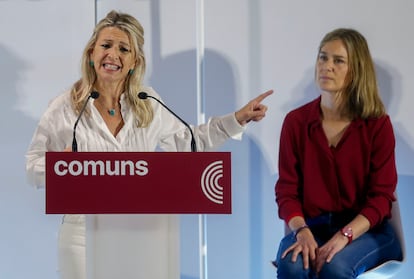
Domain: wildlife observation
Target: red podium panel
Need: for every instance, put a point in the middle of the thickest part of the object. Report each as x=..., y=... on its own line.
x=138, y=182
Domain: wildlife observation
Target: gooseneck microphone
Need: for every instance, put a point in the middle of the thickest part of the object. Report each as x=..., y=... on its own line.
x=93, y=95
x=144, y=95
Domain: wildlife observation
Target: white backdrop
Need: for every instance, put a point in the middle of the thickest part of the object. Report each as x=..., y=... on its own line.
x=251, y=46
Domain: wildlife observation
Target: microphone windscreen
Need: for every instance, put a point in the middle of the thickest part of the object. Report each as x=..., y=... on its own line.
x=94, y=95
x=142, y=95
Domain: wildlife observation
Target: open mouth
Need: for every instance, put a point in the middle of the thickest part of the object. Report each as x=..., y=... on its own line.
x=111, y=67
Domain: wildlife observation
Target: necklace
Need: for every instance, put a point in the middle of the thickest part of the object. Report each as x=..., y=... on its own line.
x=111, y=112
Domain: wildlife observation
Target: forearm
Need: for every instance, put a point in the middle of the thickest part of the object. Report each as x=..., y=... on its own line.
x=359, y=225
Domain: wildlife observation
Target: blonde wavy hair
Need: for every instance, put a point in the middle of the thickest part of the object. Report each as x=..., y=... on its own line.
x=133, y=83
x=361, y=95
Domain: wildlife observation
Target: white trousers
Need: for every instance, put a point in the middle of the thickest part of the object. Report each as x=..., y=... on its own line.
x=72, y=248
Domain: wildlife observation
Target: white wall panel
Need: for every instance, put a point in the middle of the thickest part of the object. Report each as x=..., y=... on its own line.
x=40, y=47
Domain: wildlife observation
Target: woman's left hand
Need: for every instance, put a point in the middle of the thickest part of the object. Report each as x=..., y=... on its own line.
x=326, y=252
x=254, y=110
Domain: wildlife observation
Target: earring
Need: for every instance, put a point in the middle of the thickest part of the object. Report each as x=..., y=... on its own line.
x=131, y=71
x=91, y=63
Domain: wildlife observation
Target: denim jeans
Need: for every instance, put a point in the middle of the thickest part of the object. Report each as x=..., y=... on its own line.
x=367, y=251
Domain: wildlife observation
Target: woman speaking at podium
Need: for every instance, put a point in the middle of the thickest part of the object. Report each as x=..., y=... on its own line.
x=110, y=116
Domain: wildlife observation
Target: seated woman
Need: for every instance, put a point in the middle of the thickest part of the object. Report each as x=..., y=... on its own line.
x=337, y=173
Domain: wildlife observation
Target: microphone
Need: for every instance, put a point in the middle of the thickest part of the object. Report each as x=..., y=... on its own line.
x=93, y=95
x=144, y=95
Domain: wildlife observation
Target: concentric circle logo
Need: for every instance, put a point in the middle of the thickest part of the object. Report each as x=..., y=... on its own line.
x=210, y=182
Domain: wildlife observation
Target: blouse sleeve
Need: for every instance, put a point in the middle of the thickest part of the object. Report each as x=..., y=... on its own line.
x=175, y=136
x=45, y=138
x=35, y=156
x=383, y=175
x=287, y=185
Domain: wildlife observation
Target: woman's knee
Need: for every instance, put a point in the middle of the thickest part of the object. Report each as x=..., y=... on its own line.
x=338, y=269
x=287, y=269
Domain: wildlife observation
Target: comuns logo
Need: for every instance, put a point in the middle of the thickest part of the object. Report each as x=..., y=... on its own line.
x=210, y=182
x=101, y=168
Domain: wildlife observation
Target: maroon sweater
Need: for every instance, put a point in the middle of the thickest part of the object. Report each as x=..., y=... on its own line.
x=357, y=175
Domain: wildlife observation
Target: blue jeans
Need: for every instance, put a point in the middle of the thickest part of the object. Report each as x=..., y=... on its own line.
x=367, y=251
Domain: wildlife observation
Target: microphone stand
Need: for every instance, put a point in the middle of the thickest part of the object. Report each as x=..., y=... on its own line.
x=144, y=95
x=93, y=95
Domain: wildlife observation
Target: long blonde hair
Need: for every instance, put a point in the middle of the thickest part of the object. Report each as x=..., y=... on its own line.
x=133, y=83
x=361, y=95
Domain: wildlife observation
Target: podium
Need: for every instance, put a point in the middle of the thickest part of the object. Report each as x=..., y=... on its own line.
x=132, y=200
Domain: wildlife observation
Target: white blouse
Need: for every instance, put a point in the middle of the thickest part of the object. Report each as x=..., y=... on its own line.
x=55, y=133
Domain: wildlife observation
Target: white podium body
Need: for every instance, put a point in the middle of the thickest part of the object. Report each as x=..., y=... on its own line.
x=131, y=201
x=132, y=246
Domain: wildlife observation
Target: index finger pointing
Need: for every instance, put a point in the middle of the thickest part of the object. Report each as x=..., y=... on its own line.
x=262, y=96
